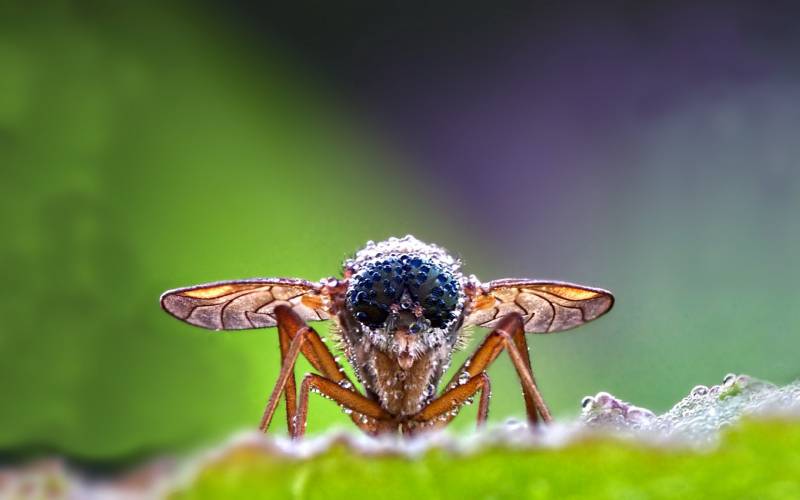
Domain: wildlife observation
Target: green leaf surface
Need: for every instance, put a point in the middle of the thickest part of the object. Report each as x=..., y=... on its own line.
x=760, y=459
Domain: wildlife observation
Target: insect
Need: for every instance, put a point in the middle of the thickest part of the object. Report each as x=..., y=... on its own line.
x=399, y=313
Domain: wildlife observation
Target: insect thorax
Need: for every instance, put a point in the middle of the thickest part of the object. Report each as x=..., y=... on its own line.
x=402, y=314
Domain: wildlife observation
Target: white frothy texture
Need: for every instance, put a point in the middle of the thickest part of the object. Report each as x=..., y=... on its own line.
x=698, y=418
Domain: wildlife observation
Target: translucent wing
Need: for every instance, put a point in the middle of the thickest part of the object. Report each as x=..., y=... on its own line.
x=545, y=306
x=242, y=304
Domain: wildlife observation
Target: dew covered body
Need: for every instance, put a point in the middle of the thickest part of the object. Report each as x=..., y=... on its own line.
x=400, y=321
x=398, y=313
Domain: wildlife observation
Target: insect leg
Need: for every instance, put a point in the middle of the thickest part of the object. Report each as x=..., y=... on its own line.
x=456, y=397
x=344, y=397
x=307, y=341
x=521, y=343
x=509, y=334
x=286, y=331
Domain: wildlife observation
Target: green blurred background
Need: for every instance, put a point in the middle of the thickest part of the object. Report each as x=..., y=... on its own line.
x=146, y=146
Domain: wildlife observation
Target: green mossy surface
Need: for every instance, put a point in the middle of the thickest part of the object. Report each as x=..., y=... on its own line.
x=756, y=460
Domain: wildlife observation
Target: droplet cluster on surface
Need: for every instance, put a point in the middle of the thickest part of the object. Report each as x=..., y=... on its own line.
x=698, y=416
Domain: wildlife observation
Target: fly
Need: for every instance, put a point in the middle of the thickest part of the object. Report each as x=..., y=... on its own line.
x=399, y=313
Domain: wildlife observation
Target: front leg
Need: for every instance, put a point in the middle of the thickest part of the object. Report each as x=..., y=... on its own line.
x=347, y=399
x=457, y=396
x=302, y=339
x=509, y=334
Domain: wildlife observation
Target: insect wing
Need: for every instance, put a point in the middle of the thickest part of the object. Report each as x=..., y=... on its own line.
x=545, y=306
x=244, y=304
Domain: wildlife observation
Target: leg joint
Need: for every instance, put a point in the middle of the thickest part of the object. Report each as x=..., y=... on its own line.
x=510, y=324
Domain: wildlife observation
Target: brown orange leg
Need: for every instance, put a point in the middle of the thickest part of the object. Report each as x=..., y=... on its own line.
x=285, y=335
x=303, y=339
x=456, y=397
x=521, y=343
x=509, y=334
x=346, y=398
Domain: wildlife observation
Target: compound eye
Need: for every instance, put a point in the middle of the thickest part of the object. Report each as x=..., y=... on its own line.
x=372, y=315
x=368, y=299
x=440, y=295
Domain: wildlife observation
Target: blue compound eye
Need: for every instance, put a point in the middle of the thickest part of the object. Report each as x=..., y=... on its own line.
x=371, y=294
x=367, y=310
x=438, y=295
x=392, y=282
x=370, y=315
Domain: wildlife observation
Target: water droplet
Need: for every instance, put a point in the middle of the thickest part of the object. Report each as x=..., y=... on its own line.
x=699, y=390
x=463, y=378
x=587, y=401
x=345, y=384
x=729, y=379
x=604, y=399
x=639, y=414
x=346, y=410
